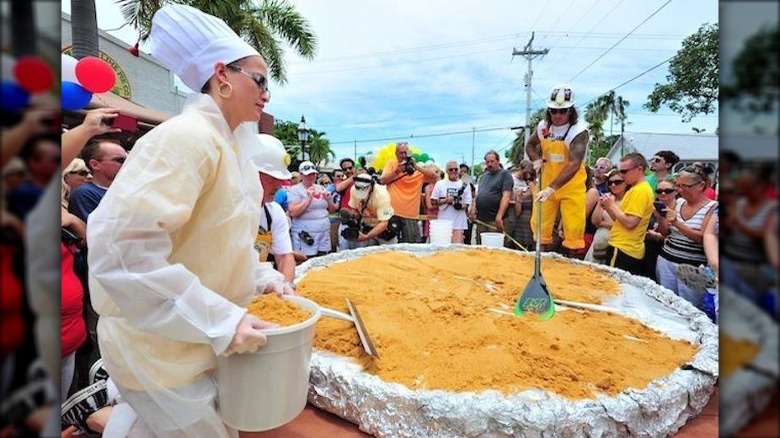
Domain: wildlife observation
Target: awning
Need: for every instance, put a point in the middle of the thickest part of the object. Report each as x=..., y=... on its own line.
x=143, y=114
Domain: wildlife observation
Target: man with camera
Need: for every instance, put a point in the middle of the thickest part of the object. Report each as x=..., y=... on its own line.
x=369, y=218
x=453, y=197
x=404, y=179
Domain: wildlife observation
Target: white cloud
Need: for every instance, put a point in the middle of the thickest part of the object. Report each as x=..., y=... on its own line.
x=395, y=69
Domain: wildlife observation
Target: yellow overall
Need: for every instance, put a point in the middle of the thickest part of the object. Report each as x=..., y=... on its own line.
x=569, y=198
x=264, y=240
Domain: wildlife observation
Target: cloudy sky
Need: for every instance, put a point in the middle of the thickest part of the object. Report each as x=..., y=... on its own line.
x=441, y=74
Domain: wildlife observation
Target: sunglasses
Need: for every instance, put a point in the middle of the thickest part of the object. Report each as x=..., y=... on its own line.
x=689, y=185
x=347, y=168
x=79, y=173
x=558, y=110
x=665, y=191
x=259, y=79
x=625, y=171
x=306, y=168
x=698, y=170
x=454, y=169
x=615, y=182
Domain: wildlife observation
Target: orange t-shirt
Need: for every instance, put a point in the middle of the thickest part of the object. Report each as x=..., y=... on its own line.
x=405, y=192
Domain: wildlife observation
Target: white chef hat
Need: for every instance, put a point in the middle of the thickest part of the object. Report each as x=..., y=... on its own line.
x=189, y=42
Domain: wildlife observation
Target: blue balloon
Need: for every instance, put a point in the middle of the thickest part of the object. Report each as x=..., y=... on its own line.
x=74, y=96
x=13, y=97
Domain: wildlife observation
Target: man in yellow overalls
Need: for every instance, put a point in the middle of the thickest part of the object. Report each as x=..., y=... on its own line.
x=559, y=144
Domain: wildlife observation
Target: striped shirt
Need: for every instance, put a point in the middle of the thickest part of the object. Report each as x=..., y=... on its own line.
x=678, y=247
x=741, y=247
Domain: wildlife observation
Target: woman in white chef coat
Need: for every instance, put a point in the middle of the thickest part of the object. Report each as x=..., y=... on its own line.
x=172, y=263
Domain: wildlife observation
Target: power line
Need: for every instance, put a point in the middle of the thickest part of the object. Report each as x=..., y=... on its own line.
x=621, y=40
x=631, y=80
x=564, y=56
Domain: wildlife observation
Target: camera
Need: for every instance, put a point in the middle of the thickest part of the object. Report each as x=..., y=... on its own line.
x=408, y=165
x=456, y=203
x=352, y=220
x=306, y=238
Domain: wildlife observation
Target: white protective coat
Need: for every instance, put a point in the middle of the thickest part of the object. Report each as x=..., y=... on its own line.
x=172, y=265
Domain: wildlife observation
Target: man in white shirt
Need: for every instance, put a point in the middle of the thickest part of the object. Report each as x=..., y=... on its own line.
x=273, y=236
x=453, y=197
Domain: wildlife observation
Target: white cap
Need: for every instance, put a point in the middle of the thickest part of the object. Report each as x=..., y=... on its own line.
x=270, y=157
x=561, y=96
x=189, y=42
x=307, y=168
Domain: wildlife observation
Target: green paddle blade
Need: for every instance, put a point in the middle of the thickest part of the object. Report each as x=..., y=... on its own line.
x=536, y=300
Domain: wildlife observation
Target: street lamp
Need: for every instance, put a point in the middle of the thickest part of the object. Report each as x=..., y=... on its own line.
x=304, y=134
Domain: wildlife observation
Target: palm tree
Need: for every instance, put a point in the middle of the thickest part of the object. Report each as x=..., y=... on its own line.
x=318, y=147
x=517, y=152
x=607, y=106
x=264, y=26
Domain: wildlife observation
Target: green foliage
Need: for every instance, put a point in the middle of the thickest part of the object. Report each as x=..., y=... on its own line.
x=756, y=87
x=608, y=106
x=477, y=170
x=318, y=148
x=598, y=149
x=693, y=77
x=517, y=152
x=265, y=25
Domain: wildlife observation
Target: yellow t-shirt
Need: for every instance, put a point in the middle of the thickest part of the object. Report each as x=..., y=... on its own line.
x=406, y=191
x=638, y=201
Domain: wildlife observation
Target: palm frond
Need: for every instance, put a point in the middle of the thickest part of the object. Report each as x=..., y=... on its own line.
x=289, y=24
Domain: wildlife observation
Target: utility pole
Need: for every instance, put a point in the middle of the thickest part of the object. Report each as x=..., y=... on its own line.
x=528, y=53
x=473, y=140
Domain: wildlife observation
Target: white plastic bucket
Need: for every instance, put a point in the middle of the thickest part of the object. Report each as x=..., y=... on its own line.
x=268, y=388
x=441, y=231
x=441, y=224
x=441, y=239
x=493, y=240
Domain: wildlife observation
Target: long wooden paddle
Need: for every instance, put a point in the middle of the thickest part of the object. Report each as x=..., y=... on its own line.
x=536, y=298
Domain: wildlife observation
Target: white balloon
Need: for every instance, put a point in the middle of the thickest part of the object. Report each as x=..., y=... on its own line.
x=69, y=68
x=7, y=62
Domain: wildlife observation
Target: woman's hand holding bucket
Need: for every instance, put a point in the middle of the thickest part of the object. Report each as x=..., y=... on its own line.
x=249, y=336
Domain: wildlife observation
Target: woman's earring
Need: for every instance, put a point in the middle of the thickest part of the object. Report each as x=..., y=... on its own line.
x=229, y=92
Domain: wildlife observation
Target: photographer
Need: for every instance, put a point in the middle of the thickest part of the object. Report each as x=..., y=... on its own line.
x=453, y=197
x=404, y=179
x=369, y=217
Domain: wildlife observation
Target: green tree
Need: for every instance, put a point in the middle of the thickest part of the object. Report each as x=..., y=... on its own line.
x=264, y=26
x=756, y=85
x=517, y=152
x=607, y=106
x=318, y=148
x=693, y=77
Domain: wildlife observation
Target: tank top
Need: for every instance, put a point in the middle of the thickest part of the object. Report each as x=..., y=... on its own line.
x=740, y=246
x=678, y=247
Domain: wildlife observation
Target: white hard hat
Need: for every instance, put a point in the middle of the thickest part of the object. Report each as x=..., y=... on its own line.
x=271, y=158
x=561, y=96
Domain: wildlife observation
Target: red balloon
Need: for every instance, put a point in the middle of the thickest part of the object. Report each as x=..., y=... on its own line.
x=95, y=75
x=33, y=75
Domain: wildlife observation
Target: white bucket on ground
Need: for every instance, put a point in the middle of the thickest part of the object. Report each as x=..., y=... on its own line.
x=441, y=223
x=268, y=388
x=441, y=231
x=441, y=239
x=494, y=240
